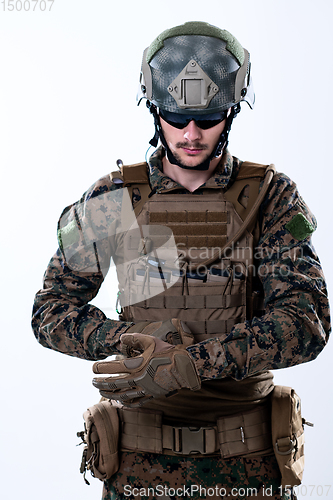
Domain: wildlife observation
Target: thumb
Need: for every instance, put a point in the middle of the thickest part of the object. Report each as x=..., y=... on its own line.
x=161, y=346
x=143, y=342
x=137, y=341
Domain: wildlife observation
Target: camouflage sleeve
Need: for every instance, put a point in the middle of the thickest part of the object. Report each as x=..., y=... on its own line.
x=63, y=319
x=296, y=323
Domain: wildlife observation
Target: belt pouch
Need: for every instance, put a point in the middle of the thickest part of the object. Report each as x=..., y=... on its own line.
x=288, y=434
x=141, y=429
x=245, y=433
x=101, y=436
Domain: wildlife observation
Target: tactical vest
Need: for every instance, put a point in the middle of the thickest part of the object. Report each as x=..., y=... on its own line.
x=207, y=282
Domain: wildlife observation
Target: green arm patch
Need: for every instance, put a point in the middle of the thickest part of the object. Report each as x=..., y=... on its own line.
x=68, y=235
x=299, y=227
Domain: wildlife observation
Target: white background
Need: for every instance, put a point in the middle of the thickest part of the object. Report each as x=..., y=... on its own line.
x=68, y=81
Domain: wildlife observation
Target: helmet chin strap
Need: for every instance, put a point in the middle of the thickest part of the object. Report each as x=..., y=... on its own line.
x=217, y=150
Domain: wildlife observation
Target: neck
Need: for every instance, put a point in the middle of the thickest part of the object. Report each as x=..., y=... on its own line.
x=190, y=179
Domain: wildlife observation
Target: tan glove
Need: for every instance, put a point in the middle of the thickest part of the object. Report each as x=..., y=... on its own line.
x=161, y=369
x=174, y=331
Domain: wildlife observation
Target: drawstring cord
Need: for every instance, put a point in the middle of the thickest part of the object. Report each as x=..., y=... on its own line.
x=146, y=280
x=185, y=290
x=229, y=280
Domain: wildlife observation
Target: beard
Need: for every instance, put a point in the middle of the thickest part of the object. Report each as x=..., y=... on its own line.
x=193, y=145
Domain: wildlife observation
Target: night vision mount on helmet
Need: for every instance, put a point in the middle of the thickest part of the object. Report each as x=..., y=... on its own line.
x=195, y=69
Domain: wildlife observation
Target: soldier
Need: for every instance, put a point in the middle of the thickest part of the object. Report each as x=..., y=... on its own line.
x=218, y=284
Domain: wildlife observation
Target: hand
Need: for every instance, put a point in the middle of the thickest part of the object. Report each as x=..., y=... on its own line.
x=159, y=370
x=174, y=331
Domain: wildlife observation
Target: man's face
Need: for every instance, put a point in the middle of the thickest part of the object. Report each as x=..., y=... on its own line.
x=191, y=145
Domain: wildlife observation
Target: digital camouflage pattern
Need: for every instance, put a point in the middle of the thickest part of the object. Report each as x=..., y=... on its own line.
x=143, y=474
x=296, y=325
x=294, y=329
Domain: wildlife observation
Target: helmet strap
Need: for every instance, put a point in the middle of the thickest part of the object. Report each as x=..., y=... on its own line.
x=224, y=137
x=217, y=151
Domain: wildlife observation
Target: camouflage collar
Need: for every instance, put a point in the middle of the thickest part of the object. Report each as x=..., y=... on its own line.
x=221, y=176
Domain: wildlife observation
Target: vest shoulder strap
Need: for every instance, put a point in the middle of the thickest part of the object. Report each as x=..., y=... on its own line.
x=248, y=170
x=247, y=183
x=132, y=174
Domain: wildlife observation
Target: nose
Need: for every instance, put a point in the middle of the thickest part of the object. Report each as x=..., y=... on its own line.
x=192, y=132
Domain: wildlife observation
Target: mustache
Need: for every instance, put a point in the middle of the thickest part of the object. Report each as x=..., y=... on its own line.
x=192, y=145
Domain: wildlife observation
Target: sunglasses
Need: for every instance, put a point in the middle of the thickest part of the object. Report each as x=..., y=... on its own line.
x=202, y=121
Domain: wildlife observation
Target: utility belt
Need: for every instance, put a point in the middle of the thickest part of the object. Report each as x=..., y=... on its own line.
x=235, y=435
x=276, y=426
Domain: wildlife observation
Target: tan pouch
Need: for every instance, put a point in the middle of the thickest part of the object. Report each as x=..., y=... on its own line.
x=245, y=433
x=101, y=437
x=288, y=434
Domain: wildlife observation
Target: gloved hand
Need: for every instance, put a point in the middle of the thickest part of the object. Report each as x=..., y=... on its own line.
x=174, y=331
x=159, y=370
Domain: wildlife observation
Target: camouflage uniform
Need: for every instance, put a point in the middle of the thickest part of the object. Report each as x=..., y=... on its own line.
x=293, y=330
x=188, y=477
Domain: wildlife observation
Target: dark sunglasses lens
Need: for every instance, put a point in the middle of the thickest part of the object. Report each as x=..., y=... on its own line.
x=210, y=121
x=174, y=119
x=203, y=121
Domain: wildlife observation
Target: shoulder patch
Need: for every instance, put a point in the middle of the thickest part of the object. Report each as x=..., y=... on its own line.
x=299, y=227
x=68, y=235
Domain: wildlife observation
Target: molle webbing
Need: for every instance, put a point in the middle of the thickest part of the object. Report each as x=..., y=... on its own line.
x=211, y=232
x=136, y=176
x=235, y=435
x=185, y=224
x=206, y=225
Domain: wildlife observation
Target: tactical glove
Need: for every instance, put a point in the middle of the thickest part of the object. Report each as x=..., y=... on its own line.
x=160, y=370
x=173, y=331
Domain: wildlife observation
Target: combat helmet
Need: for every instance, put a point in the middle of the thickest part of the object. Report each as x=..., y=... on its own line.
x=195, y=69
